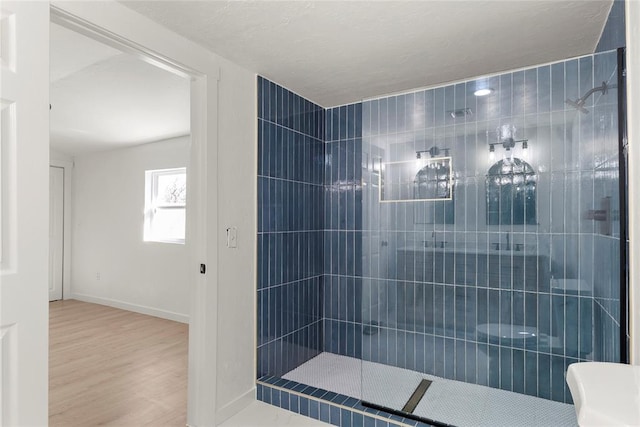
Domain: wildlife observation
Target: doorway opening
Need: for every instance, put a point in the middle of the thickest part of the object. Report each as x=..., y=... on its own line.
x=116, y=113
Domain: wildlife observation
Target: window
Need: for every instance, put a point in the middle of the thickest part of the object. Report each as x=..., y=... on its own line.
x=165, y=205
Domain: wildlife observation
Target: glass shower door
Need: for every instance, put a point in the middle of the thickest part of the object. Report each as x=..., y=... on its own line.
x=490, y=244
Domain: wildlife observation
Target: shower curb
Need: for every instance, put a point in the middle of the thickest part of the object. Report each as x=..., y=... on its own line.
x=326, y=406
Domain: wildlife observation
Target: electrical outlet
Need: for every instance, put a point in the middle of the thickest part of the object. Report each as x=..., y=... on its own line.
x=98, y=276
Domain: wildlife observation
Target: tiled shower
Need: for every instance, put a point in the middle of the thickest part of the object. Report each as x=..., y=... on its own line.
x=440, y=283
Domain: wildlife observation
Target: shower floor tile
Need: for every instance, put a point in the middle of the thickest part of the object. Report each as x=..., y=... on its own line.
x=452, y=402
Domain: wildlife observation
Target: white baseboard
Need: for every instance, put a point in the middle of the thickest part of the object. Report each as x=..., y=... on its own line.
x=231, y=409
x=142, y=309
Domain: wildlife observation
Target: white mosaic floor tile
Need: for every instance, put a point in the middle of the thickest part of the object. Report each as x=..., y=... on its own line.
x=452, y=402
x=339, y=374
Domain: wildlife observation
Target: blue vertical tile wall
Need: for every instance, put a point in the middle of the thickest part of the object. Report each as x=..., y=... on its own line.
x=432, y=290
x=613, y=34
x=343, y=230
x=290, y=229
x=606, y=310
x=605, y=272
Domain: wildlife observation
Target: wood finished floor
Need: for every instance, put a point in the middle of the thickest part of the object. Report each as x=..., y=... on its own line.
x=116, y=368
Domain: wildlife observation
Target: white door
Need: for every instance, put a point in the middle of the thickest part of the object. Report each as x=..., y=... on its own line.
x=24, y=212
x=56, y=230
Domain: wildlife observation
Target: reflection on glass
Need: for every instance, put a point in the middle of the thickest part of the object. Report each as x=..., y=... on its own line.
x=511, y=193
x=433, y=182
x=420, y=179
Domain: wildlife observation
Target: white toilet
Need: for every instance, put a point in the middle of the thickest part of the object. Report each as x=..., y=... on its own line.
x=569, y=313
x=508, y=335
x=527, y=337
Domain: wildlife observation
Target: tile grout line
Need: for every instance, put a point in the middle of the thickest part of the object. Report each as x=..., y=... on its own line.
x=320, y=400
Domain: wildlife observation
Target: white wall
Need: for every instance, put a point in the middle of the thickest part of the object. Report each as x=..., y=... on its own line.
x=110, y=262
x=237, y=206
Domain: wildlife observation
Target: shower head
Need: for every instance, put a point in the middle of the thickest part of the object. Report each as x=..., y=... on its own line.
x=578, y=104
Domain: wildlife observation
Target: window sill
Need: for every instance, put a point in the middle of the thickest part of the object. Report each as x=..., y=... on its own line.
x=170, y=241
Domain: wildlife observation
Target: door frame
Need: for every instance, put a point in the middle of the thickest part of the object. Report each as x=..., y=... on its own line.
x=67, y=167
x=62, y=259
x=120, y=27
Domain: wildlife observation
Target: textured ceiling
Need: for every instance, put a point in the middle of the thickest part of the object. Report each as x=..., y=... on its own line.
x=103, y=99
x=335, y=52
